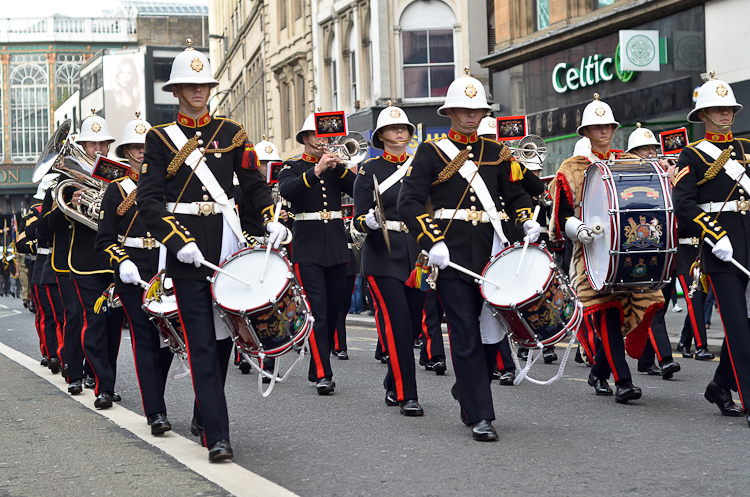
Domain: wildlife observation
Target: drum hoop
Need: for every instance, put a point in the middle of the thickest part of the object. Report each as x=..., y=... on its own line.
x=509, y=249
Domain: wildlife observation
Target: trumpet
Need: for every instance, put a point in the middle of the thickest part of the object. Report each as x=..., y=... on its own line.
x=52, y=159
x=531, y=149
x=351, y=148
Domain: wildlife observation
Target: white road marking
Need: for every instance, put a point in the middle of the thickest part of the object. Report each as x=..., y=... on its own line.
x=228, y=475
x=5, y=314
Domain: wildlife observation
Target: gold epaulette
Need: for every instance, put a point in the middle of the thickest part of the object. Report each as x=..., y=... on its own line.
x=717, y=166
x=239, y=140
x=181, y=156
x=451, y=167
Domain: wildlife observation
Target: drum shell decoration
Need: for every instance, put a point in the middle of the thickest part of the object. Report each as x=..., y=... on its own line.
x=544, y=309
x=162, y=311
x=632, y=201
x=279, y=323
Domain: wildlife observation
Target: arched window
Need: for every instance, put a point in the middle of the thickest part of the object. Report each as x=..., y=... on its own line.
x=427, y=49
x=29, y=106
x=66, y=76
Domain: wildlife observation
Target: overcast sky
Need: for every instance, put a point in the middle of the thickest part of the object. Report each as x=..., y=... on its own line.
x=75, y=8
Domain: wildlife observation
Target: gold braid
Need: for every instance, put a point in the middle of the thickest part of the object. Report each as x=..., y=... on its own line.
x=452, y=167
x=717, y=166
x=179, y=159
x=126, y=204
x=239, y=140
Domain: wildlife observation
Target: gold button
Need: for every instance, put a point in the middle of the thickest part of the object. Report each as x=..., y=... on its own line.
x=473, y=198
x=429, y=220
x=711, y=223
x=187, y=232
x=203, y=188
x=322, y=181
x=177, y=223
x=717, y=229
x=205, y=197
x=468, y=147
x=471, y=156
x=437, y=232
x=706, y=218
x=325, y=196
x=473, y=207
x=324, y=188
x=148, y=234
x=325, y=203
x=200, y=142
x=202, y=150
x=742, y=191
x=471, y=190
x=198, y=134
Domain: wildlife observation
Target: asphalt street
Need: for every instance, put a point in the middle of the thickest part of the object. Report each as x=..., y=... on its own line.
x=554, y=440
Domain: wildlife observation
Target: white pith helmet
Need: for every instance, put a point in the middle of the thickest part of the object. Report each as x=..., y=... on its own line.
x=488, y=126
x=640, y=138
x=190, y=67
x=465, y=92
x=94, y=129
x=266, y=150
x=713, y=93
x=44, y=184
x=597, y=112
x=582, y=148
x=308, y=125
x=390, y=115
x=135, y=132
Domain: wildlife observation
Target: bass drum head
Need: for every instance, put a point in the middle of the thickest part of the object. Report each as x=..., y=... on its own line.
x=247, y=265
x=533, y=276
x=595, y=210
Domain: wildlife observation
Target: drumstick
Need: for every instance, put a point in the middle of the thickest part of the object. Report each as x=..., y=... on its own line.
x=268, y=249
x=732, y=260
x=143, y=284
x=526, y=242
x=467, y=271
x=225, y=273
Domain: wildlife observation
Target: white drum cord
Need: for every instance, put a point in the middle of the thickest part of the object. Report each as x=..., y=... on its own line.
x=185, y=370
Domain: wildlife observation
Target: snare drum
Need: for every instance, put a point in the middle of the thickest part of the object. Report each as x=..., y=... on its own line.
x=160, y=304
x=538, y=305
x=272, y=317
x=632, y=202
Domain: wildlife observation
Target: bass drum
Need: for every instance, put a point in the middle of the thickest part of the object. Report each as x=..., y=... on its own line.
x=629, y=206
x=270, y=317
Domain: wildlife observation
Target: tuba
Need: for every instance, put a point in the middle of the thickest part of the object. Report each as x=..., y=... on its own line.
x=351, y=148
x=52, y=159
x=531, y=149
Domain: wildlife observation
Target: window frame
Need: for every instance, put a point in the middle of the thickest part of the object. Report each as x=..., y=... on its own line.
x=28, y=141
x=427, y=64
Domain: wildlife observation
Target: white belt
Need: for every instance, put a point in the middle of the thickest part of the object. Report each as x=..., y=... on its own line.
x=463, y=215
x=396, y=226
x=730, y=206
x=690, y=241
x=317, y=216
x=139, y=242
x=349, y=246
x=44, y=251
x=195, y=208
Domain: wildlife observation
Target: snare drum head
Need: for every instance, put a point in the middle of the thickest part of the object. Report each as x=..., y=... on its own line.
x=534, y=275
x=596, y=205
x=166, y=304
x=247, y=265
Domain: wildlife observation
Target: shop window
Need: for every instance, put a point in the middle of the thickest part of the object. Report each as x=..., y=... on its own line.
x=427, y=49
x=29, y=106
x=542, y=14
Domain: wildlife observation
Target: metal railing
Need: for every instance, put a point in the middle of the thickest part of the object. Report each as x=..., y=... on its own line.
x=67, y=29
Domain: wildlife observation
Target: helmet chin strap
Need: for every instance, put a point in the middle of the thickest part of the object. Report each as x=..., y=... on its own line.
x=723, y=127
x=196, y=107
x=130, y=157
x=393, y=142
x=473, y=128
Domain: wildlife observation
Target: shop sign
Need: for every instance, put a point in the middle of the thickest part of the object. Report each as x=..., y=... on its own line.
x=592, y=70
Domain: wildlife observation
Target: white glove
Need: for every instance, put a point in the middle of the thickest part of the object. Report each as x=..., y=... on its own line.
x=532, y=230
x=129, y=272
x=723, y=249
x=584, y=234
x=190, y=254
x=439, y=255
x=276, y=233
x=370, y=220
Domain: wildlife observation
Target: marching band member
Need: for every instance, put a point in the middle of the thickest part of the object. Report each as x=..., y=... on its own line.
x=122, y=239
x=314, y=184
x=711, y=190
x=643, y=143
x=610, y=315
x=461, y=230
x=91, y=275
x=398, y=307
x=190, y=213
x=432, y=350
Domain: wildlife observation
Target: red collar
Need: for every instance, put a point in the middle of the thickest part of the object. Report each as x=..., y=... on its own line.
x=310, y=158
x=189, y=122
x=133, y=175
x=458, y=137
x=395, y=159
x=719, y=138
x=600, y=155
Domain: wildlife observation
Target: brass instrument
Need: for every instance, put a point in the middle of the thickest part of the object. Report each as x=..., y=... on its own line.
x=52, y=159
x=531, y=149
x=351, y=148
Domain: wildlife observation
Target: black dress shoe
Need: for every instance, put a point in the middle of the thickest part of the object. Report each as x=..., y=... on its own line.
x=116, y=397
x=722, y=397
x=483, y=431
x=579, y=357
x=439, y=367
x=601, y=387
x=65, y=372
x=685, y=350
x=44, y=362
x=244, y=366
x=549, y=355
x=507, y=377
x=54, y=365
x=703, y=354
x=668, y=369
x=75, y=387
x=455, y=395
x=197, y=431
x=651, y=370
x=380, y=357
x=523, y=354
x=159, y=423
x=418, y=343
x=325, y=386
x=390, y=398
x=343, y=355
x=89, y=382
x=219, y=451
x=627, y=391
x=103, y=400
x=411, y=408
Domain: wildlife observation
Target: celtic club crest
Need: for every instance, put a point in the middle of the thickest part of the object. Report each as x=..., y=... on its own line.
x=722, y=91
x=643, y=234
x=640, y=50
x=395, y=114
x=96, y=127
x=196, y=65
x=140, y=128
x=269, y=149
x=470, y=91
x=600, y=111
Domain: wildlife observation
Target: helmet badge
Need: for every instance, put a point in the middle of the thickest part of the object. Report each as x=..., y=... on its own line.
x=140, y=128
x=269, y=149
x=648, y=134
x=395, y=114
x=196, y=65
x=96, y=127
x=600, y=111
x=470, y=91
x=722, y=91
